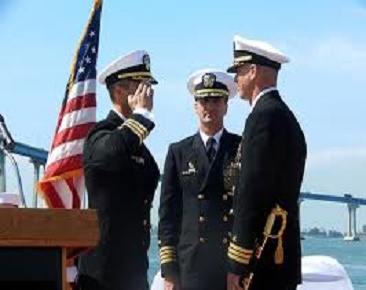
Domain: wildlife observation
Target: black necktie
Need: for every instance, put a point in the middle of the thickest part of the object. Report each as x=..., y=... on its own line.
x=210, y=147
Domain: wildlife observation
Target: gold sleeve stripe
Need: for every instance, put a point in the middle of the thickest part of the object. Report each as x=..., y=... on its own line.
x=239, y=254
x=140, y=126
x=167, y=260
x=132, y=128
x=240, y=249
x=167, y=256
x=238, y=259
x=167, y=251
x=167, y=248
x=136, y=126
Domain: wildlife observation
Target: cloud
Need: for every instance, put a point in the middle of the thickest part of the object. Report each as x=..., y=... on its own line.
x=331, y=53
x=334, y=52
x=328, y=156
x=336, y=171
x=341, y=53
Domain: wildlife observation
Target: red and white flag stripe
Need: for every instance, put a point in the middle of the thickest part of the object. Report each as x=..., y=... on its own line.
x=63, y=176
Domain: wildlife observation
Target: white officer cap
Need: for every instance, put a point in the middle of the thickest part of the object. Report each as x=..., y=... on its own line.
x=135, y=65
x=211, y=83
x=256, y=52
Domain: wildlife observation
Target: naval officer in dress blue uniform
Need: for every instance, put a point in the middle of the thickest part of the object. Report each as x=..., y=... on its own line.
x=265, y=251
x=195, y=202
x=121, y=177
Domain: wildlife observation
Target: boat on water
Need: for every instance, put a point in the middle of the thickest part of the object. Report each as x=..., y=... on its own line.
x=352, y=238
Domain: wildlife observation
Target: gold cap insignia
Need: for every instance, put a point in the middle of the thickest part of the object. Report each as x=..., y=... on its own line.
x=208, y=80
x=146, y=61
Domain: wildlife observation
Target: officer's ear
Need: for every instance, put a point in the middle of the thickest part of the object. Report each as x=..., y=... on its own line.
x=253, y=71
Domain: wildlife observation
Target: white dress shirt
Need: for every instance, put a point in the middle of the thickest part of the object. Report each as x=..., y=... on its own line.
x=217, y=138
x=141, y=111
x=265, y=91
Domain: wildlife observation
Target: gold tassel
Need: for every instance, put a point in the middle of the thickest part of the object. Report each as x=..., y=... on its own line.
x=279, y=252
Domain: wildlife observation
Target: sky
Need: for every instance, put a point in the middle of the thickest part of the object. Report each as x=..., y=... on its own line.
x=324, y=83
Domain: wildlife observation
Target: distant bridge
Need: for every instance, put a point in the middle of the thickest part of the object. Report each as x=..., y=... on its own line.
x=39, y=158
x=347, y=198
x=36, y=155
x=352, y=204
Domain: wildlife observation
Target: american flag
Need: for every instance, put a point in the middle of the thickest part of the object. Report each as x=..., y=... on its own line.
x=63, y=184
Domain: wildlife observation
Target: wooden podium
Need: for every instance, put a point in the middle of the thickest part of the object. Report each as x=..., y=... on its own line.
x=35, y=244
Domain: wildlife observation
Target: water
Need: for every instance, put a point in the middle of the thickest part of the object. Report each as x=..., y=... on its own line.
x=352, y=255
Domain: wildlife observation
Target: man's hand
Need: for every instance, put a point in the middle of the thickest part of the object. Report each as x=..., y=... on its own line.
x=169, y=284
x=233, y=282
x=142, y=98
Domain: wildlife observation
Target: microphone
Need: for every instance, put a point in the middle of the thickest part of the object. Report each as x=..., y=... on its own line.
x=9, y=143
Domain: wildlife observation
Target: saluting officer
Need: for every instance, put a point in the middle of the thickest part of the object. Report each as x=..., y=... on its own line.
x=195, y=202
x=121, y=177
x=265, y=250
